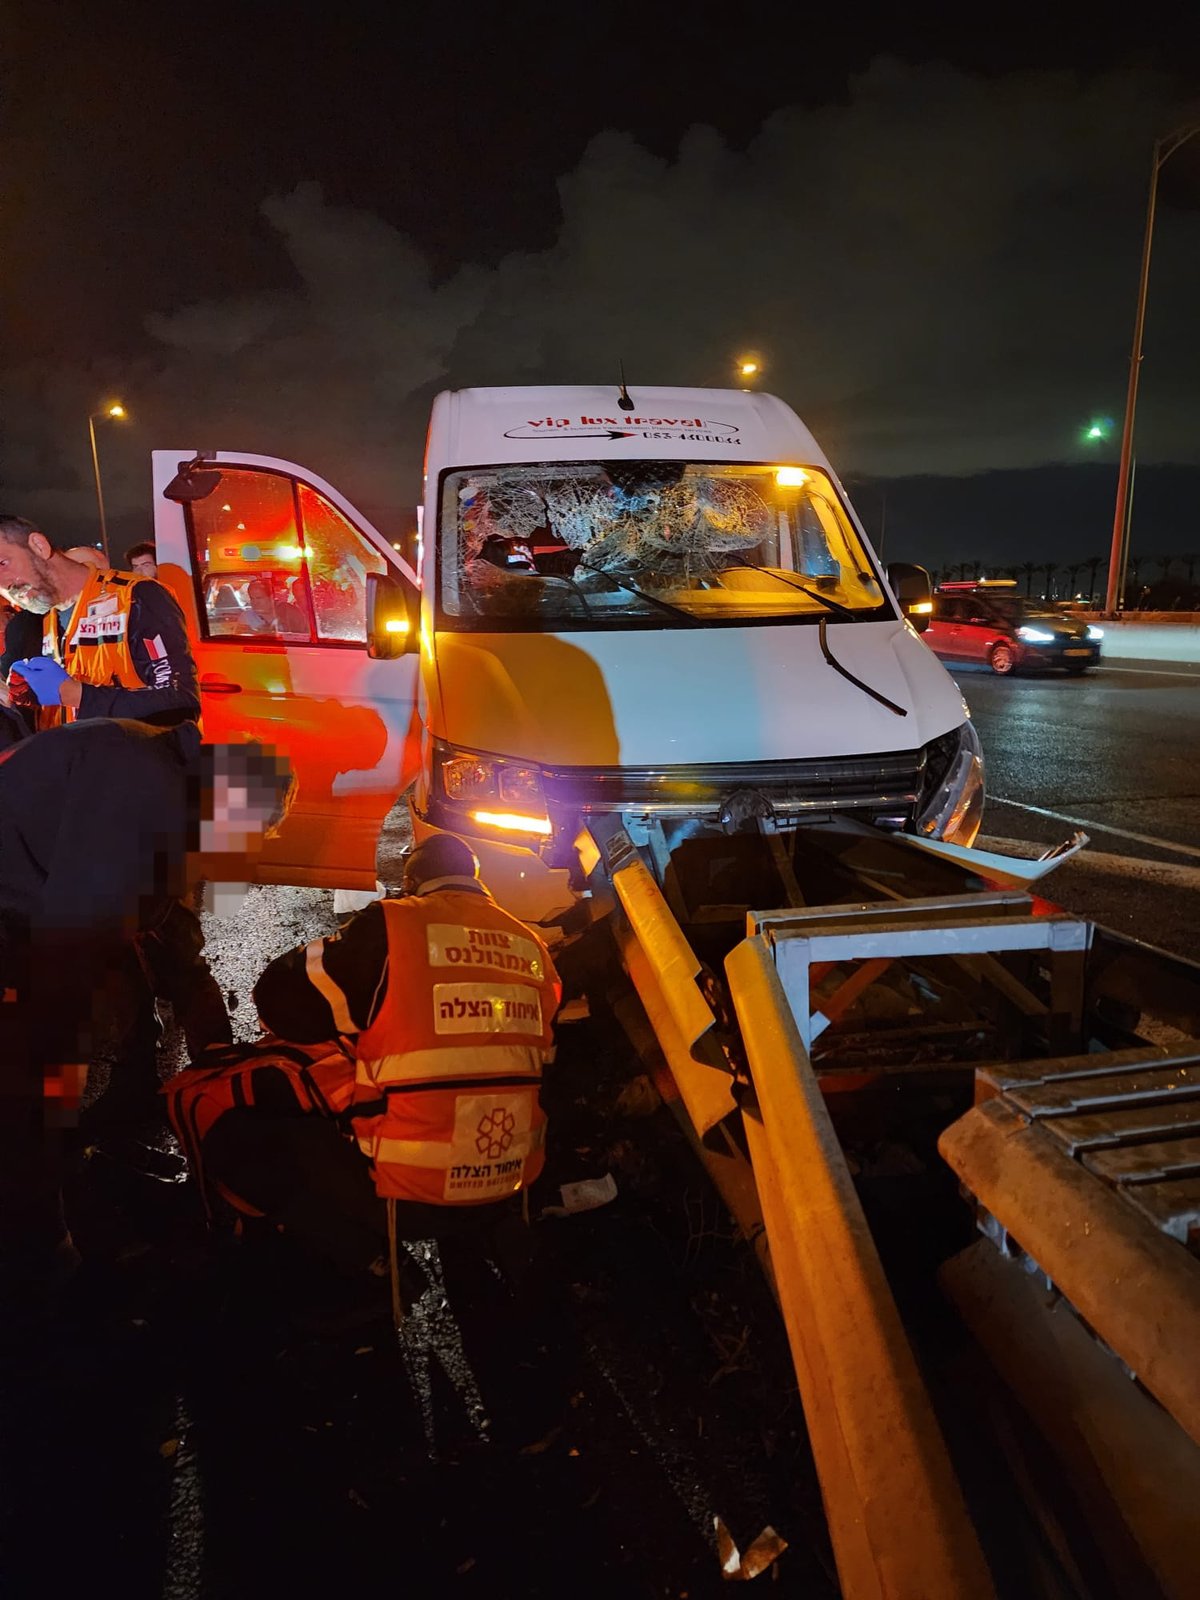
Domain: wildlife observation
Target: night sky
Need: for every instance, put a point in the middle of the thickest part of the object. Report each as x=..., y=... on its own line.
x=283, y=229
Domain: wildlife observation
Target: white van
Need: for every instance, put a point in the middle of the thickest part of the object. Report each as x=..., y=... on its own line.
x=657, y=606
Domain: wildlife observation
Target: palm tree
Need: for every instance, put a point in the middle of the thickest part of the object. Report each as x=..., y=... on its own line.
x=1049, y=568
x=1191, y=558
x=1136, y=563
x=1028, y=568
x=1166, y=563
x=1093, y=564
x=1072, y=573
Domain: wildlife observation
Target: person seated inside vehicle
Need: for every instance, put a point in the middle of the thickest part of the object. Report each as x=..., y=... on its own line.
x=272, y=610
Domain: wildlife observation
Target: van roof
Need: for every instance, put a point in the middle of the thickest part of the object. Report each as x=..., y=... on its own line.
x=478, y=427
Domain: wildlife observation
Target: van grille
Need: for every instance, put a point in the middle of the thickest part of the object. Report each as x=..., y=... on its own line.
x=883, y=782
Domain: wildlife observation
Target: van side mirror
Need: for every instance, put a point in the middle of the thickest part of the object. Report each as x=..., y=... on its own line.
x=191, y=482
x=393, y=618
x=914, y=590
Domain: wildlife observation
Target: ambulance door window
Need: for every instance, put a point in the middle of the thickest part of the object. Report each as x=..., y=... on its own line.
x=248, y=558
x=338, y=561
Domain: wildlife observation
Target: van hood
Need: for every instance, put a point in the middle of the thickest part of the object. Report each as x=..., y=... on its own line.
x=685, y=696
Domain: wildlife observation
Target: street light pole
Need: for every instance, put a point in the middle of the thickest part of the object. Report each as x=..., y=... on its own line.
x=1163, y=149
x=99, y=490
x=116, y=411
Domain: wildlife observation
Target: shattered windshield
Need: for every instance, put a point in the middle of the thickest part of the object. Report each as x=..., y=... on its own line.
x=589, y=544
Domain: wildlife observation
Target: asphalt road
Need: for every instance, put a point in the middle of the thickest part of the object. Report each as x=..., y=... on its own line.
x=1117, y=753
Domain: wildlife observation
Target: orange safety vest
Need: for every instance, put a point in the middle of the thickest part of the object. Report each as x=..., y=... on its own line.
x=94, y=644
x=456, y=1052
x=179, y=583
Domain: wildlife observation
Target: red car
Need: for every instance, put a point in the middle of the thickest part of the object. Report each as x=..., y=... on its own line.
x=989, y=623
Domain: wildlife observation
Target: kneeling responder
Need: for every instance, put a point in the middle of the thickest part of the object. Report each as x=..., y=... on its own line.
x=447, y=1001
x=101, y=826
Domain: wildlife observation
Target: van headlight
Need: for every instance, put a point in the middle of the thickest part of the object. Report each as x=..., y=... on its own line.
x=951, y=803
x=492, y=792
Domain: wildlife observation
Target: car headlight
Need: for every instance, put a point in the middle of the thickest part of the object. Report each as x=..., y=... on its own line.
x=951, y=804
x=1093, y=632
x=492, y=791
x=1035, y=635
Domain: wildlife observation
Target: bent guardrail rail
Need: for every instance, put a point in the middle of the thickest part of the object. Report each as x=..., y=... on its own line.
x=897, y=1518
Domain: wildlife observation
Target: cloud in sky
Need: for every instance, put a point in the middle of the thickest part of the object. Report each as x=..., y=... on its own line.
x=939, y=273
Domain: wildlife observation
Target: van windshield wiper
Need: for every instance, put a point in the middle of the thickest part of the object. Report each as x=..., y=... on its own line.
x=813, y=594
x=830, y=605
x=677, y=612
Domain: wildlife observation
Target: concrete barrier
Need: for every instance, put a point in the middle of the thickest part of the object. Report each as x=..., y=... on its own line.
x=1156, y=636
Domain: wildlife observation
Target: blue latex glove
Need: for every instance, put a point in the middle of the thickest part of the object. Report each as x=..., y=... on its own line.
x=44, y=676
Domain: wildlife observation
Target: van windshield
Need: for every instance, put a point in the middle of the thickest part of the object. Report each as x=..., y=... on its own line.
x=588, y=544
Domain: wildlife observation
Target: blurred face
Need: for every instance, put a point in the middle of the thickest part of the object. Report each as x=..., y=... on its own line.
x=259, y=595
x=25, y=578
x=231, y=839
x=145, y=566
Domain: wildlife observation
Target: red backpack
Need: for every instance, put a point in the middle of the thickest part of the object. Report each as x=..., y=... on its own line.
x=274, y=1076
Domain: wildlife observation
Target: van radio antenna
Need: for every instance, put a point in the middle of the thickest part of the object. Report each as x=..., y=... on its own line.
x=623, y=400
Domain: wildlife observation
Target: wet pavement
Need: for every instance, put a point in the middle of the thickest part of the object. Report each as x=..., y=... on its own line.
x=207, y=1418
x=1117, y=749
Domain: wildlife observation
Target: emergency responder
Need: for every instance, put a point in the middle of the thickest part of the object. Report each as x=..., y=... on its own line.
x=448, y=1001
x=101, y=825
x=143, y=559
x=114, y=644
x=444, y=1004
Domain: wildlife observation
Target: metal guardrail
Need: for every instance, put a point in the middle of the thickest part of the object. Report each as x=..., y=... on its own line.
x=694, y=1056
x=1089, y=1164
x=896, y=1513
x=897, y=1518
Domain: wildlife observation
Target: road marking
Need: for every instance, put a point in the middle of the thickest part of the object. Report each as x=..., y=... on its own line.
x=1149, y=672
x=1100, y=827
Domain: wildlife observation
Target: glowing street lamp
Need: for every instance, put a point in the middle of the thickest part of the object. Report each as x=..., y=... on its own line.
x=114, y=413
x=748, y=367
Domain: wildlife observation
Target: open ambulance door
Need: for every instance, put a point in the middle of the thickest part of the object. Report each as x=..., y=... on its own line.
x=283, y=570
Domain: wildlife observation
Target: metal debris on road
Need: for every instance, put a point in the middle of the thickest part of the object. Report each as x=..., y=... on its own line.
x=763, y=1553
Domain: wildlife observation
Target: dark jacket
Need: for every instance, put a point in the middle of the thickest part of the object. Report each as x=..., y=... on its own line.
x=94, y=827
x=22, y=638
x=95, y=823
